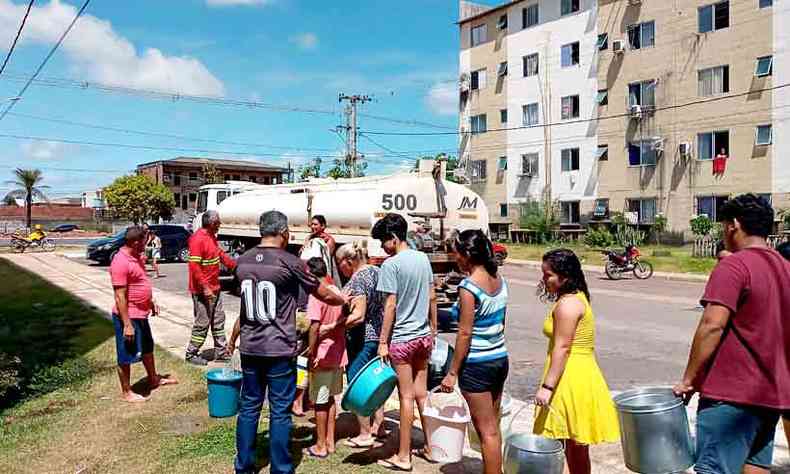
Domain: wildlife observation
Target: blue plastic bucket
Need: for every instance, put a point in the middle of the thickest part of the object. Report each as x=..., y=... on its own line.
x=224, y=390
x=370, y=388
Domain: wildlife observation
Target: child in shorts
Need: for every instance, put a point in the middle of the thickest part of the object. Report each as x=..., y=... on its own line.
x=327, y=360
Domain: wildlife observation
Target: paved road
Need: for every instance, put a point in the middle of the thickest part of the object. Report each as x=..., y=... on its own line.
x=64, y=241
x=644, y=328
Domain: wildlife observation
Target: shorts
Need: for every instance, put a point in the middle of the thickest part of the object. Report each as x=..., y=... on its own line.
x=411, y=351
x=325, y=383
x=488, y=376
x=729, y=435
x=369, y=352
x=132, y=351
x=156, y=253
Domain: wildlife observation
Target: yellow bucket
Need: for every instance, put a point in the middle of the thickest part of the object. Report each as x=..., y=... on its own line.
x=301, y=372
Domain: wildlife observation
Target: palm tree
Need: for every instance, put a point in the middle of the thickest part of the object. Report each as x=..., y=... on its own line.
x=28, y=187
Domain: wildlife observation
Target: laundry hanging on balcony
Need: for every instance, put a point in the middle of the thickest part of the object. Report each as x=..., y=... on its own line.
x=719, y=164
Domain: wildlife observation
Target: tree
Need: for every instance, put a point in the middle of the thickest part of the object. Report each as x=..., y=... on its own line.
x=452, y=165
x=138, y=198
x=28, y=187
x=9, y=200
x=312, y=170
x=342, y=168
x=211, y=175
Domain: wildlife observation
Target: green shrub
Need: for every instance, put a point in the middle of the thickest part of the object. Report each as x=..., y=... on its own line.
x=9, y=374
x=701, y=225
x=539, y=217
x=600, y=237
x=67, y=373
x=626, y=235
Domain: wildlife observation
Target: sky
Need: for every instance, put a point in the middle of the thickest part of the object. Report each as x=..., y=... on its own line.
x=276, y=66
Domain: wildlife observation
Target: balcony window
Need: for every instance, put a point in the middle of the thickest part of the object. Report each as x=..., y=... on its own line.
x=710, y=144
x=570, y=107
x=642, y=35
x=479, y=124
x=477, y=170
x=502, y=163
x=764, y=135
x=601, y=210
x=603, y=97
x=642, y=93
x=714, y=17
x=479, y=35
x=569, y=6
x=570, y=159
x=711, y=206
x=766, y=3
x=642, y=153
x=603, y=41
x=645, y=209
x=530, y=16
x=570, y=54
x=478, y=79
x=530, y=115
x=713, y=81
x=502, y=71
x=531, y=65
x=529, y=164
x=764, y=66
x=570, y=212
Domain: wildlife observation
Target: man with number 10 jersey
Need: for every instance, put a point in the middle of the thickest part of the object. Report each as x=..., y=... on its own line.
x=270, y=281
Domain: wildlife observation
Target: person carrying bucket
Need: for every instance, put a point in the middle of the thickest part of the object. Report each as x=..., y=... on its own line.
x=270, y=280
x=408, y=329
x=738, y=360
x=574, y=403
x=366, y=314
x=480, y=362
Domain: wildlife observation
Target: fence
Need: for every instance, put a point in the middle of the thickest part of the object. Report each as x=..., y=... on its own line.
x=706, y=246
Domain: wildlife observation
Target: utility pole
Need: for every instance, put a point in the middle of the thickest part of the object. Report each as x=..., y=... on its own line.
x=351, y=128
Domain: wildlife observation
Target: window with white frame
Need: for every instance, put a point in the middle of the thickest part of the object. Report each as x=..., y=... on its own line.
x=569, y=212
x=530, y=115
x=477, y=170
x=570, y=159
x=569, y=6
x=763, y=135
x=478, y=79
x=642, y=35
x=530, y=16
x=711, y=206
x=764, y=66
x=714, y=17
x=570, y=54
x=479, y=124
x=479, y=34
x=766, y=3
x=529, y=164
x=645, y=209
x=710, y=144
x=531, y=65
x=642, y=93
x=503, y=116
x=642, y=153
x=714, y=80
x=502, y=163
x=570, y=107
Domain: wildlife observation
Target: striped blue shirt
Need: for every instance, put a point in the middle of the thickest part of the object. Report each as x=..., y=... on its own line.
x=488, y=331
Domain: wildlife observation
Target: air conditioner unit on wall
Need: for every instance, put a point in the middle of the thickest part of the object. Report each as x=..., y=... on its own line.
x=684, y=149
x=618, y=46
x=635, y=111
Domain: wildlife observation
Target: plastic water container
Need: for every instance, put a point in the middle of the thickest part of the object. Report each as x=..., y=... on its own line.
x=446, y=424
x=224, y=390
x=301, y=372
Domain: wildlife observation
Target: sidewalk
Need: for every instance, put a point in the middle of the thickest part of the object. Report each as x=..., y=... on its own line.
x=172, y=330
x=691, y=277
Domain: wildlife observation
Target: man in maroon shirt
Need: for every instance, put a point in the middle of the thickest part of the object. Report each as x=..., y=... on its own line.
x=740, y=357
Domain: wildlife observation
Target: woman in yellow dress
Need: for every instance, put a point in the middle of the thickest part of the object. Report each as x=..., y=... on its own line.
x=574, y=403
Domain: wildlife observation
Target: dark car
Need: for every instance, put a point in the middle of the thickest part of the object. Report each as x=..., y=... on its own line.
x=64, y=228
x=174, y=244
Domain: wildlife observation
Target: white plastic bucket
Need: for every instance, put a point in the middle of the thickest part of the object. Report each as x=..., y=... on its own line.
x=446, y=426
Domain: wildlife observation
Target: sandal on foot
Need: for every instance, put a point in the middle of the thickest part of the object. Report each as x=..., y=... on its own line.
x=353, y=443
x=420, y=453
x=311, y=454
x=387, y=464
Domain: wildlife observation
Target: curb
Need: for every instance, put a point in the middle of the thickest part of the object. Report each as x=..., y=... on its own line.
x=690, y=277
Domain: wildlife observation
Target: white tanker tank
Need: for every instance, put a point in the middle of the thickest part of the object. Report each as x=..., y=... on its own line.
x=352, y=206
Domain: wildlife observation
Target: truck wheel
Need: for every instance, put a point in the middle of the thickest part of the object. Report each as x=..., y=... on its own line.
x=499, y=258
x=183, y=255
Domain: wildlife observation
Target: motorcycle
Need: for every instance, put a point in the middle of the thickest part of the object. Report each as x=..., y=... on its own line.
x=615, y=264
x=20, y=244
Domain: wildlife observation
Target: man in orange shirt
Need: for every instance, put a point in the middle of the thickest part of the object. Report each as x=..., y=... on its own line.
x=205, y=256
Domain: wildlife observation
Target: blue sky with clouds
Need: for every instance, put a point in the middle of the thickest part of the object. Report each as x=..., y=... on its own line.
x=294, y=53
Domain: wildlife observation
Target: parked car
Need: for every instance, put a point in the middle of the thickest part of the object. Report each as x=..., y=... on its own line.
x=64, y=228
x=174, y=244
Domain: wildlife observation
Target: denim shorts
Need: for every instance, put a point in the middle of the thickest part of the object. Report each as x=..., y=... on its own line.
x=129, y=352
x=488, y=376
x=360, y=359
x=731, y=435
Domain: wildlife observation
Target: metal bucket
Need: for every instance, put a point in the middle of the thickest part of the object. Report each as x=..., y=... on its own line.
x=531, y=454
x=654, y=431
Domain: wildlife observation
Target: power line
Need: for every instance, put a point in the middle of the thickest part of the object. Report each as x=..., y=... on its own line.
x=16, y=38
x=46, y=58
x=579, y=121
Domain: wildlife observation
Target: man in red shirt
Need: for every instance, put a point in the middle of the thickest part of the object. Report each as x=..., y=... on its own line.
x=740, y=357
x=205, y=256
x=133, y=304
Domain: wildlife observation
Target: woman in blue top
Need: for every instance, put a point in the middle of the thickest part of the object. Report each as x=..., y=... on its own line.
x=480, y=363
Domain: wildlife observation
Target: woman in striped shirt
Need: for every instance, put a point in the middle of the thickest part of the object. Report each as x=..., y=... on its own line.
x=480, y=362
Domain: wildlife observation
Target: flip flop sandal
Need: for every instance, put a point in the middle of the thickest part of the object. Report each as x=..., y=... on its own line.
x=387, y=464
x=356, y=444
x=420, y=453
x=311, y=454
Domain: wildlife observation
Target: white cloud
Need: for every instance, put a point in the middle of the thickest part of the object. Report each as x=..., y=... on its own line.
x=44, y=150
x=233, y=3
x=305, y=41
x=442, y=98
x=97, y=52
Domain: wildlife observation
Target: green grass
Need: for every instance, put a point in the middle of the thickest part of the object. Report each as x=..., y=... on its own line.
x=63, y=412
x=680, y=260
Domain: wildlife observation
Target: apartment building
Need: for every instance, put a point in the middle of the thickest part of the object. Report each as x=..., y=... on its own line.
x=632, y=106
